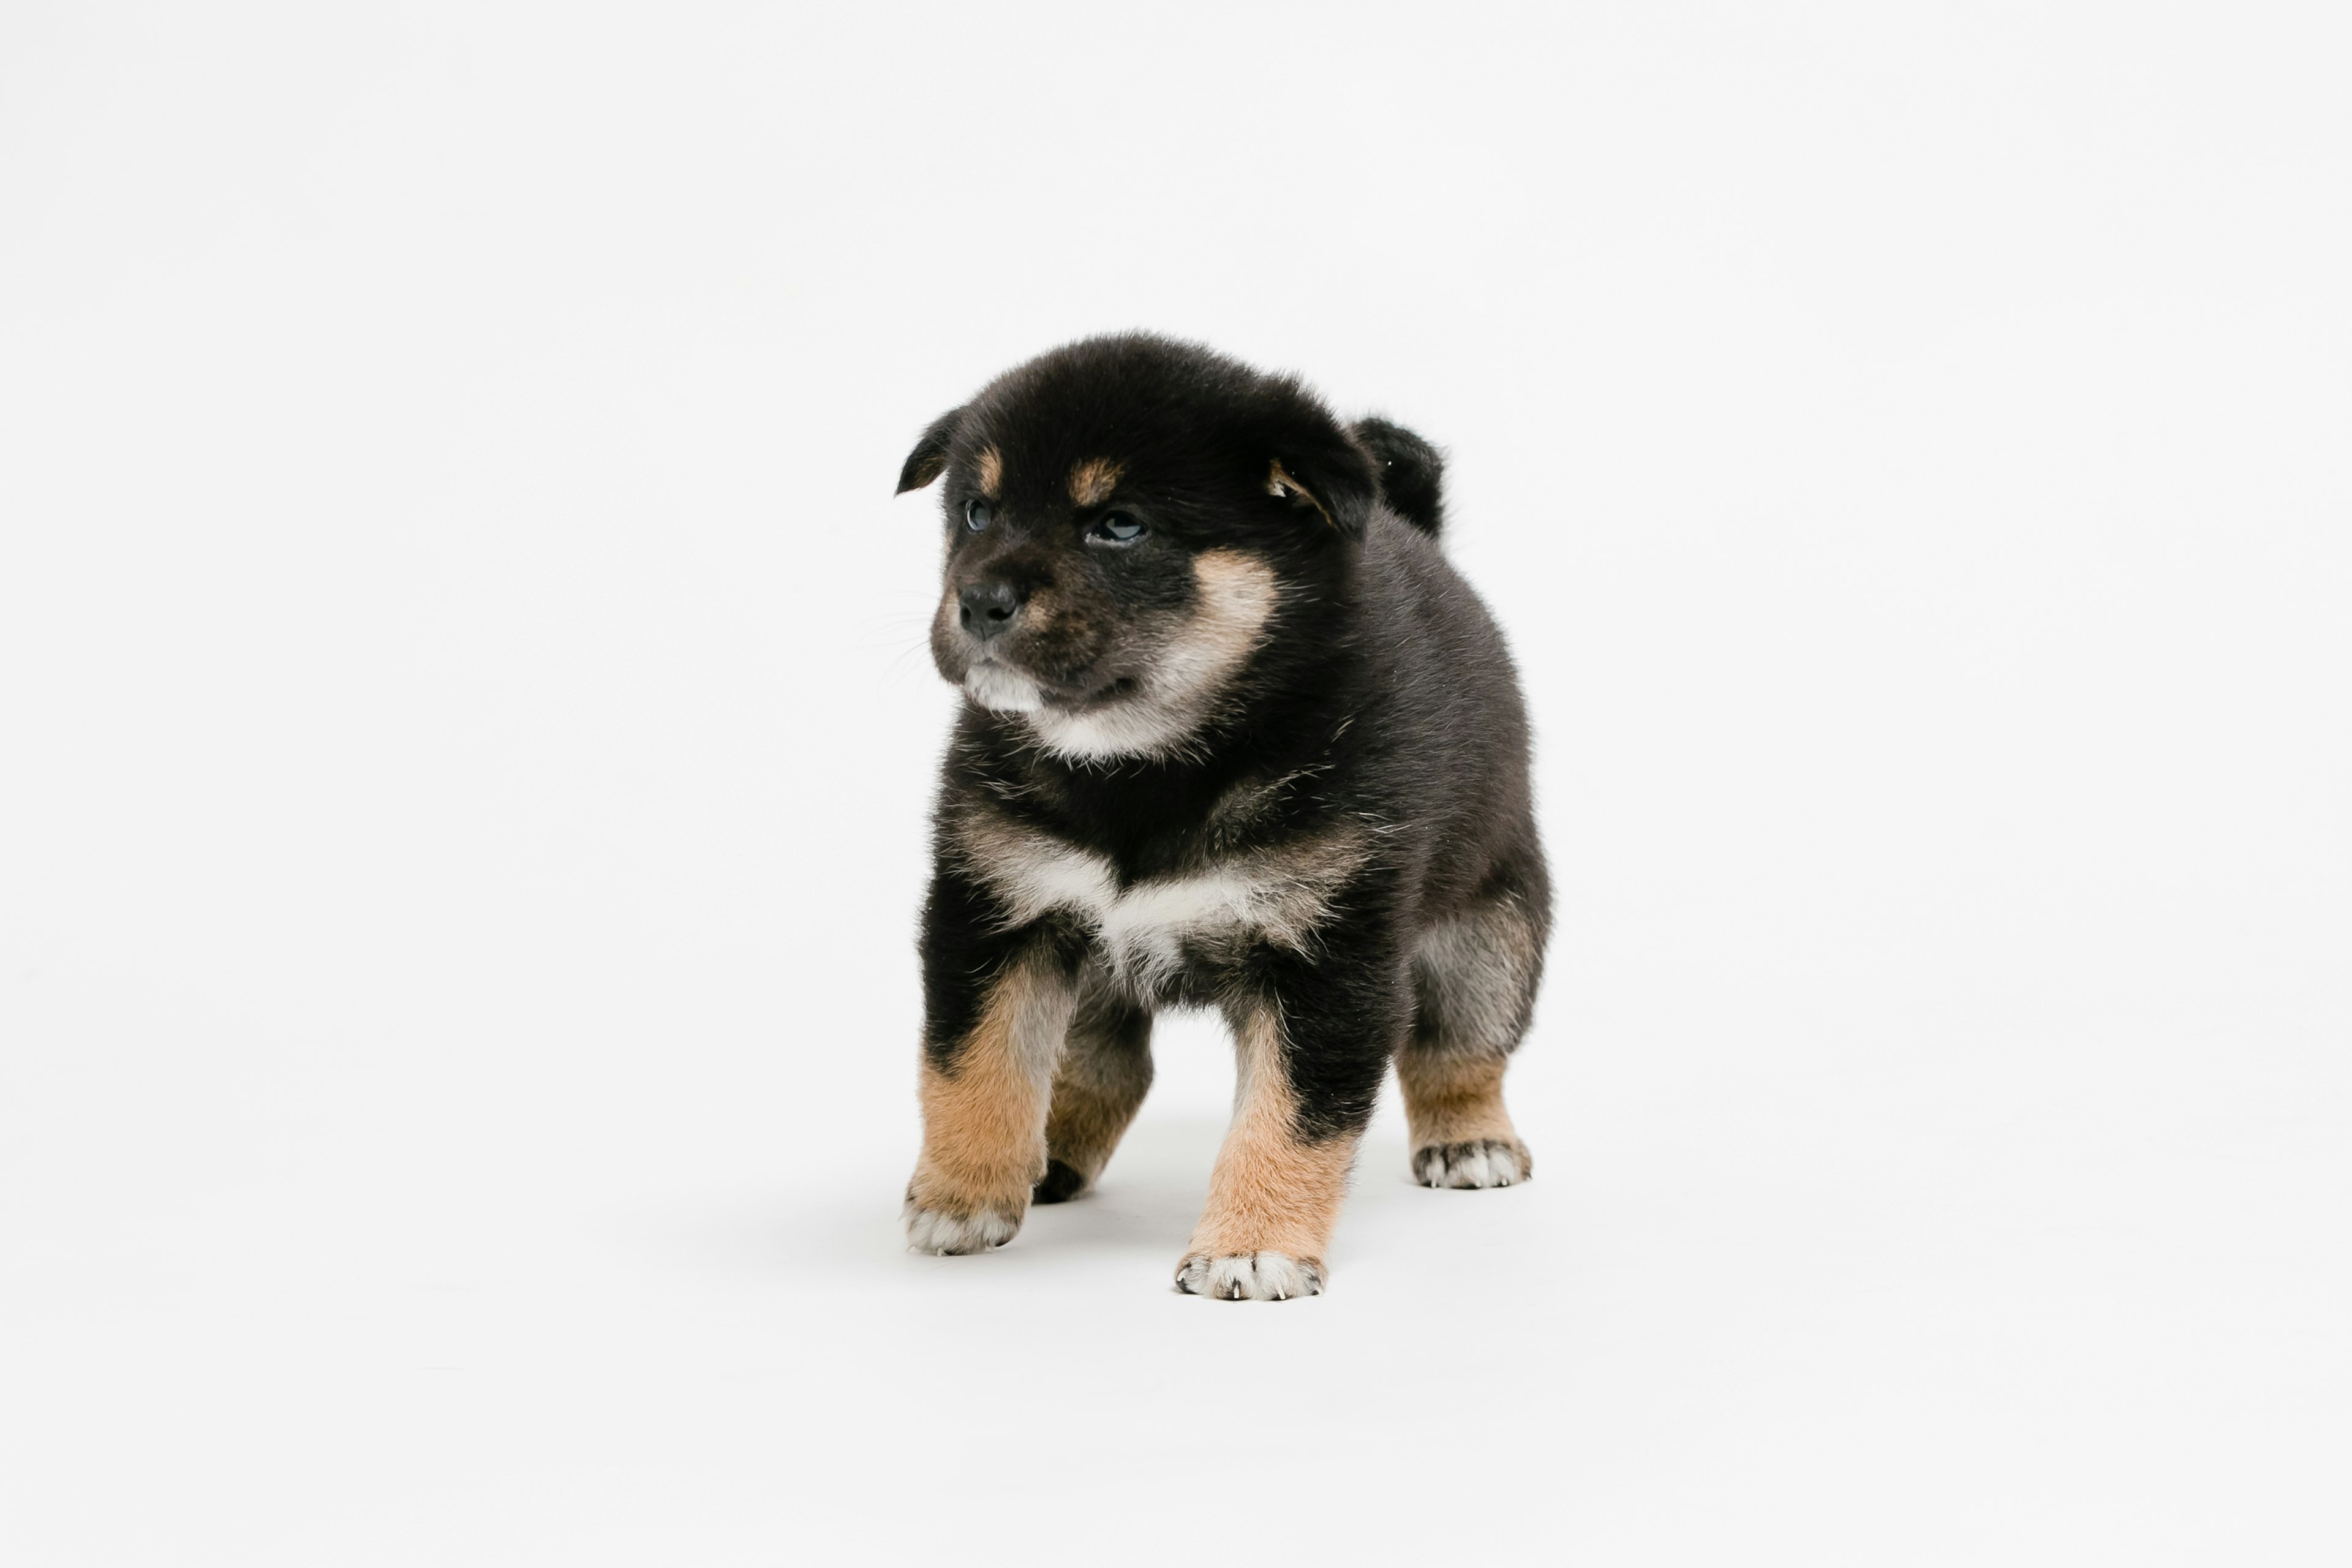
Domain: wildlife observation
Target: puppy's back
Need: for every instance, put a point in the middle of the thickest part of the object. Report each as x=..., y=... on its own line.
x=1454, y=739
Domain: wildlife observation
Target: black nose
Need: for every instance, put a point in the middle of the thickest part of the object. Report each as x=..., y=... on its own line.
x=989, y=608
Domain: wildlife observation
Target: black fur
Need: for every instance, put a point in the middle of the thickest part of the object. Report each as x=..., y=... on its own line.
x=1412, y=471
x=1061, y=1183
x=1380, y=703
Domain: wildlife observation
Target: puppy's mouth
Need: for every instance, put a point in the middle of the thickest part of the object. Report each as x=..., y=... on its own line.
x=1000, y=686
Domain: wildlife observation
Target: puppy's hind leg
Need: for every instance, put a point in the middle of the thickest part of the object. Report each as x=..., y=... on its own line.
x=1474, y=981
x=1104, y=1071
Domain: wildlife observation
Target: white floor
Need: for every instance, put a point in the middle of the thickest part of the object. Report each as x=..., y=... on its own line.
x=1988, y=1309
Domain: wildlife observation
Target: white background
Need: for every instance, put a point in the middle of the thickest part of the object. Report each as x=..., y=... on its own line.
x=466, y=741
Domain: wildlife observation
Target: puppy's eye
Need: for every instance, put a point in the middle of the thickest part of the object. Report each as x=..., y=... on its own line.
x=1117, y=527
x=978, y=515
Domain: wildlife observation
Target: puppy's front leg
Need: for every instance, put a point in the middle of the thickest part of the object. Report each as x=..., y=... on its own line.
x=1304, y=1093
x=992, y=1035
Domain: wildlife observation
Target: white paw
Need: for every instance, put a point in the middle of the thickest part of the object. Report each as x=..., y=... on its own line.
x=1249, y=1277
x=1484, y=1163
x=938, y=1231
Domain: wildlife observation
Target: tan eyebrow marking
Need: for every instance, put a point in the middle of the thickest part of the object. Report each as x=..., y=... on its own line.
x=1091, y=481
x=1278, y=482
x=992, y=472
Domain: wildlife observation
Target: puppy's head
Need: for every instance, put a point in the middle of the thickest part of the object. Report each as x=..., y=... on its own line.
x=1126, y=519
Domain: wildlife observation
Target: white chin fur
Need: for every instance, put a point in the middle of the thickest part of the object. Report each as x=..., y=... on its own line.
x=1238, y=594
x=1180, y=691
x=1134, y=727
x=994, y=686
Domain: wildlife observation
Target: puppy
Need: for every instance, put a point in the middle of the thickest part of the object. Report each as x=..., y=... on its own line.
x=1235, y=735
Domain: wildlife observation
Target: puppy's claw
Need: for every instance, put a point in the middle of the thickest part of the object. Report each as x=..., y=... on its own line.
x=1480, y=1162
x=943, y=1235
x=1249, y=1276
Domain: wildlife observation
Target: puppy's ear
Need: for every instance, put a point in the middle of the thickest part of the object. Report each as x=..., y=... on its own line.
x=1319, y=465
x=929, y=457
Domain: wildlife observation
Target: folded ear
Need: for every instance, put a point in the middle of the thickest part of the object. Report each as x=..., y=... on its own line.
x=929, y=457
x=1318, y=464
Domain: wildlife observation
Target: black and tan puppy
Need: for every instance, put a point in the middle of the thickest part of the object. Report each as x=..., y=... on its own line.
x=1235, y=736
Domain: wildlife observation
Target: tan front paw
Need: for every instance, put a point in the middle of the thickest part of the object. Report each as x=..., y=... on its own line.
x=945, y=1235
x=945, y=1223
x=1249, y=1275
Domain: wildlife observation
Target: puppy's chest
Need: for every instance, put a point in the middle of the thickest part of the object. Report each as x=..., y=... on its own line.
x=1150, y=929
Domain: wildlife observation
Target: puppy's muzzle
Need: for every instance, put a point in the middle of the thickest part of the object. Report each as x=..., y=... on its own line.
x=990, y=609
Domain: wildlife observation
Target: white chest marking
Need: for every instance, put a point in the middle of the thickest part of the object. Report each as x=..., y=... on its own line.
x=1280, y=896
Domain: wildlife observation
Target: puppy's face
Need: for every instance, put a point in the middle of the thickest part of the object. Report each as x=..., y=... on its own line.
x=1125, y=519
x=1088, y=605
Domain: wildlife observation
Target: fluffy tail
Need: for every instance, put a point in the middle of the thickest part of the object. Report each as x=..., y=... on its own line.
x=1411, y=469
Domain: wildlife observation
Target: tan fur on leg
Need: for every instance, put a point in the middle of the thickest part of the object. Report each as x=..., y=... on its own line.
x=984, y=1119
x=1453, y=1100
x=1088, y=1117
x=1105, y=1070
x=1474, y=979
x=1462, y=1135
x=1272, y=1194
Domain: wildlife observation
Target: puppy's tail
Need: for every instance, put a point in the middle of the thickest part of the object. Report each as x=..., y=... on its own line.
x=1411, y=470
